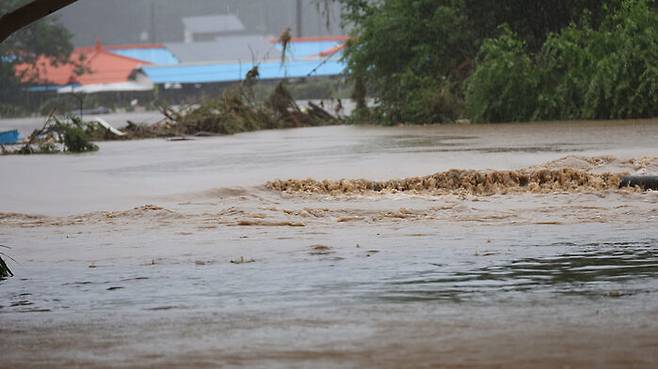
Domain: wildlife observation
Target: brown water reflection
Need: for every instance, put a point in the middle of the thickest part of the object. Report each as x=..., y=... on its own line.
x=596, y=270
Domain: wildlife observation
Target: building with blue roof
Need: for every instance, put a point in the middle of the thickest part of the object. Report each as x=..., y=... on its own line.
x=158, y=56
x=226, y=73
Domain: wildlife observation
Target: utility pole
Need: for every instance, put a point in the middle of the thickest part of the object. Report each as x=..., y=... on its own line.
x=300, y=18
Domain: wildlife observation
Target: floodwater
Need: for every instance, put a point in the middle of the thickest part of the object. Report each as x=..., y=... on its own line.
x=218, y=270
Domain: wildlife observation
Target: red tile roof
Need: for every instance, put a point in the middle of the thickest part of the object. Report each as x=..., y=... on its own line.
x=101, y=66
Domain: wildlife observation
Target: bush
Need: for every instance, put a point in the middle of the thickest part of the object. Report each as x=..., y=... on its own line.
x=77, y=140
x=408, y=55
x=503, y=86
x=414, y=56
x=71, y=135
x=580, y=73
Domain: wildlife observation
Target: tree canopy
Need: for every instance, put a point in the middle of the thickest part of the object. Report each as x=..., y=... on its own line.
x=415, y=56
x=43, y=38
x=581, y=72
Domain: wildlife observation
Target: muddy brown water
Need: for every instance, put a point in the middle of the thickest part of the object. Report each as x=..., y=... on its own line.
x=219, y=271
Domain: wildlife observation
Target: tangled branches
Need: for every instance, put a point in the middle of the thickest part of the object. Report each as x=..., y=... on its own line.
x=236, y=110
x=5, y=272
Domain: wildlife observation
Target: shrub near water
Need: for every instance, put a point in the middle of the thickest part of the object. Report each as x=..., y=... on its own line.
x=76, y=139
x=408, y=55
x=70, y=135
x=580, y=73
x=503, y=87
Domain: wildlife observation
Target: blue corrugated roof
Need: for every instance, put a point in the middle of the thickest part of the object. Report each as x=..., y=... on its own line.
x=156, y=56
x=214, y=73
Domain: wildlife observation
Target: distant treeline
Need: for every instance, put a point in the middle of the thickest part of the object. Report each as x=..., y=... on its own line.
x=429, y=61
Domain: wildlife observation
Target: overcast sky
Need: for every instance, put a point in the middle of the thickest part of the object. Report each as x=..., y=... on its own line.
x=131, y=21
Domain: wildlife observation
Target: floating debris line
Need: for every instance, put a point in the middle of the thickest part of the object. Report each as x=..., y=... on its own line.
x=463, y=181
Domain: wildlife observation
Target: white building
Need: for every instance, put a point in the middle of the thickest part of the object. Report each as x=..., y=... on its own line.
x=211, y=27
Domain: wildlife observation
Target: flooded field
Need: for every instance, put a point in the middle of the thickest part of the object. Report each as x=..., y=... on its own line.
x=249, y=250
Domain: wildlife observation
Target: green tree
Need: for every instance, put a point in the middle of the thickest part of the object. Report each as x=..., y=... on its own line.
x=414, y=55
x=43, y=38
x=409, y=53
x=532, y=20
x=505, y=71
x=582, y=72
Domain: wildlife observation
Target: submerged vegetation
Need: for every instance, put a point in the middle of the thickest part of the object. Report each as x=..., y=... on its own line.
x=57, y=135
x=236, y=110
x=5, y=272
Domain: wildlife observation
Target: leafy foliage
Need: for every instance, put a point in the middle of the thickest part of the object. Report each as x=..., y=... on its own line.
x=505, y=71
x=76, y=137
x=414, y=56
x=580, y=73
x=409, y=55
x=532, y=20
x=69, y=135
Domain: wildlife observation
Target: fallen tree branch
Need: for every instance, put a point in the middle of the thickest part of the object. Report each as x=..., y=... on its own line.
x=5, y=272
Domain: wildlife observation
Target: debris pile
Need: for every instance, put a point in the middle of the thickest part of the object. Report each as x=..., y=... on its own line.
x=237, y=111
x=60, y=135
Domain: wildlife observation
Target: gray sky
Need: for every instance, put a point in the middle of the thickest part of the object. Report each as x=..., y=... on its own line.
x=129, y=21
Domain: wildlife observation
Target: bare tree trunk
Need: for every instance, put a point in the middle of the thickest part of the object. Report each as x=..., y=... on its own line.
x=29, y=13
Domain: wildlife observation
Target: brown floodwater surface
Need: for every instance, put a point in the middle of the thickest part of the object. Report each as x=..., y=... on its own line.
x=253, y=253
x=126, y=174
